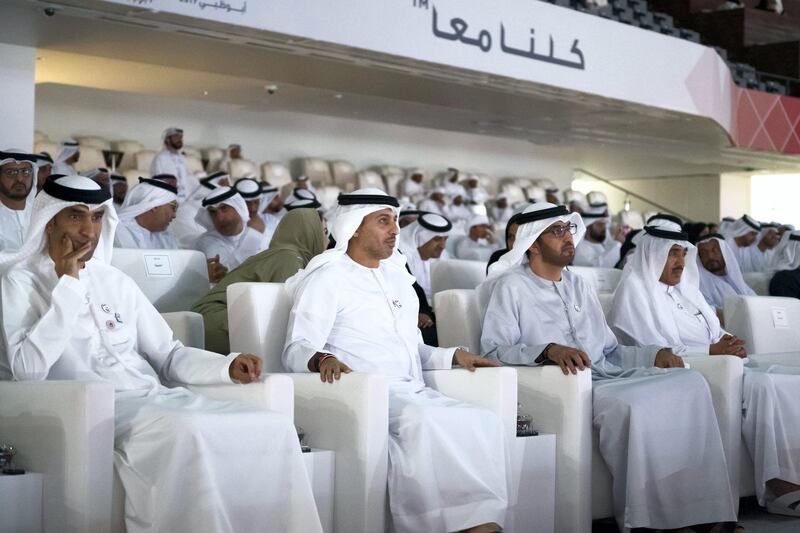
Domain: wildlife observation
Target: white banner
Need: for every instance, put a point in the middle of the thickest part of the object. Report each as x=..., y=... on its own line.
x=523, y=39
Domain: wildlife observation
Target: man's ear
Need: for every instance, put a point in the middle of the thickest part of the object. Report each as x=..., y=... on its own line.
x=48, y=228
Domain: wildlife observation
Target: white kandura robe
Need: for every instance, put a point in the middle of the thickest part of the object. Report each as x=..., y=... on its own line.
x=501, y=215
x=480, y=250
x=166, y=162
x=716, y=289
x=13, y=225
x=657, y=429
x=187, y=463
x=130, y=234
x=232, y=251
x=750, y=258
x=597, y=254
x=771, y=412
x=446, y=458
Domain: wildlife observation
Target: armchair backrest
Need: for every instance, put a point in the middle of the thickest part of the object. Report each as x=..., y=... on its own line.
x=758, y=281
x=173, y=280
x=258, y=314
x=767, y=324
x=458, y=318
x=604, y=280
x=456, y=274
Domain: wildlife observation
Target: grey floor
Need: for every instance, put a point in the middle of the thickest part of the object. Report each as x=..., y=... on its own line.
x=751, y=516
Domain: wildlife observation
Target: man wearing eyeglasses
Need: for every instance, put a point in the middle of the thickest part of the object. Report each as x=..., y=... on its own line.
x=17, y=174
x=655, y=420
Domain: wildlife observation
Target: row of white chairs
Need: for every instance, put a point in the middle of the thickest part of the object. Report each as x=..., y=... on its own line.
x=354, y=420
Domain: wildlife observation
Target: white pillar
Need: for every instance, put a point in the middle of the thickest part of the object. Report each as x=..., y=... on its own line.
x=17, y=95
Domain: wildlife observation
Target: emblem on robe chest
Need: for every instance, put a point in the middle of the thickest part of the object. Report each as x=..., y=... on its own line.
x=396, y=303
x=106, y=309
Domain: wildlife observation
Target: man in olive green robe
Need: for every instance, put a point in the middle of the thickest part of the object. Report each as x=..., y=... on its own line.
x=298, y=237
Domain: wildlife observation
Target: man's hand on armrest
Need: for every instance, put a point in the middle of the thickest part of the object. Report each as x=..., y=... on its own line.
x=569, y=359
x=666, y=359
x=245, y=368
x=470, y=361
x=330, y=369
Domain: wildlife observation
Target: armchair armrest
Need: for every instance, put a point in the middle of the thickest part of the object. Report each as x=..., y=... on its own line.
x=563, y=405
x=766, y=359
x=65, y=430
x=351, y=417
x=492, y=388
x=724, y=374
x=187, y=327
x=274, y=392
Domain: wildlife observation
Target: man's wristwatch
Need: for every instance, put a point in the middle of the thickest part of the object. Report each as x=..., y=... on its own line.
x=543, y=356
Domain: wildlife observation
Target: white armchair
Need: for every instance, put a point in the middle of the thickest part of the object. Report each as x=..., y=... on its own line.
x=562, y=405
x=65, y=430
x=351, y=417
x=456, y=274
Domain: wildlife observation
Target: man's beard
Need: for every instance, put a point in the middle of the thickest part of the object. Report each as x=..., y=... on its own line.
x=716, y=267
x=9, y=193
x=561, y=258
x=598, y=236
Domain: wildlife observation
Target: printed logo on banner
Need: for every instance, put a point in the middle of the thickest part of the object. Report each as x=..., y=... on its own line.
x=158, y=266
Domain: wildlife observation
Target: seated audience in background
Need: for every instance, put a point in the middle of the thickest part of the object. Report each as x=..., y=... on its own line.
x=185, y=226
x=17, y=192
x=658, y=302
x=299, y=237
x=44, y=164
x=720, y=276
x=273, y=207
x=550, y=192
x=535, y=312
x=119, y=189
x=452, y=187
x=768, y=239
x=501, y=211
x=186, y=463
x=254, y=197
x=435, y=203
x=479, y=243
x=302, y=198
x=713, y=227
x=476, y=195
x=146, y=215
x=447, y=459
x=742, y=236
x=458, y=212
x=99, y=175
x=695, y=231
x=510, y=235
x=598, y=248
x=575, y=201
x=785, y=264
x=412, y=186
x=69, y=155
x=224, y=214
x=536, y=194
x=628, y=247
x=422, y=242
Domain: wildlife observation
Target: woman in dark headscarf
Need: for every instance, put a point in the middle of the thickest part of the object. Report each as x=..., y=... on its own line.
x=298, y=237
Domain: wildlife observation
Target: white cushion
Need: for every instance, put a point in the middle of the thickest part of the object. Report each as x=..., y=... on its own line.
x=316, y=169
x=90, y=158
x=276, y=174
x=369, y=178
x=240, y=168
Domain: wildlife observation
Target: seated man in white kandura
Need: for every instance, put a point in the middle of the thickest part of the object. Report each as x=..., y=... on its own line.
x=188, y=464
x=354, y=308
x=145, y=216
x=659, y=301
x=658, y=432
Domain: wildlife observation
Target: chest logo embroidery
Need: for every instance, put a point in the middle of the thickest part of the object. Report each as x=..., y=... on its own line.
x=106, y=309
x=118, y=318
x=110, y=324
x=577, y=308
x=397, y=303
